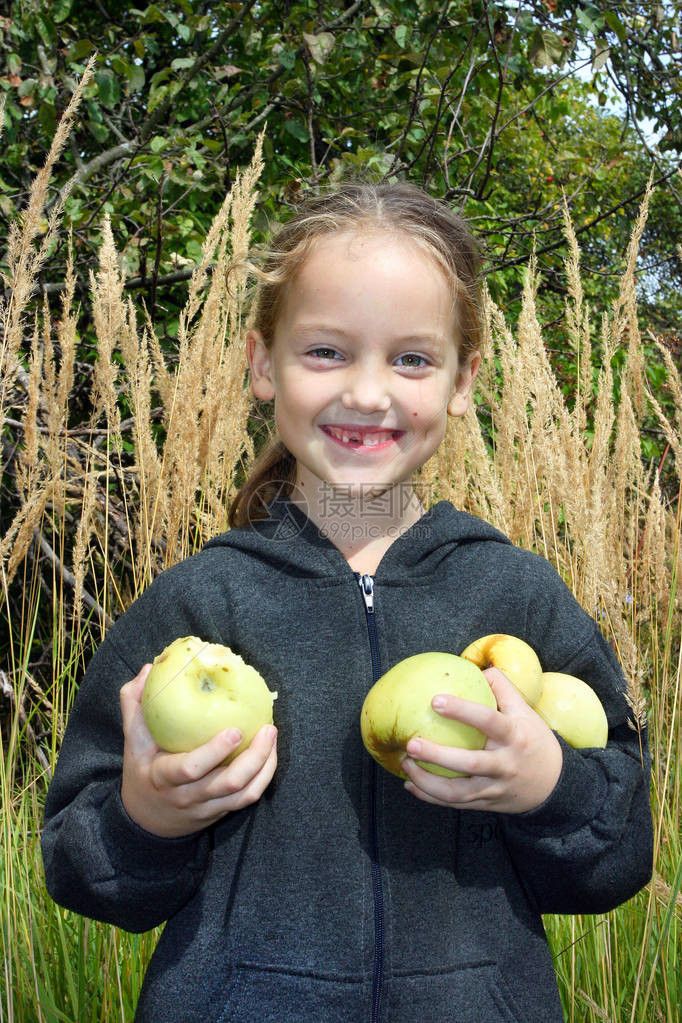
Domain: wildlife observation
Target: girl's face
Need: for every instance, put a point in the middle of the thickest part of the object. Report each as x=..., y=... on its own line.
x=363, y=368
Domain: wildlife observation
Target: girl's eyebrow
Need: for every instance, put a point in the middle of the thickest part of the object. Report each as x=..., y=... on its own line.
x=436, y=342
x=314, y=329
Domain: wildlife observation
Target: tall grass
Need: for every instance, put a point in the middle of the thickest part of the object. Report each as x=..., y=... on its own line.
x=100, y=506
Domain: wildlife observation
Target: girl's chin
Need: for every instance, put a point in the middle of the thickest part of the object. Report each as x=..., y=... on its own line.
x=352, y=488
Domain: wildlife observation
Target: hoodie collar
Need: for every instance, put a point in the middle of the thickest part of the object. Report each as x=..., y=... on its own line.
x=289, y=540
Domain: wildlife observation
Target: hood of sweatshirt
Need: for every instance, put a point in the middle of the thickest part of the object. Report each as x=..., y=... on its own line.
x=291, y=542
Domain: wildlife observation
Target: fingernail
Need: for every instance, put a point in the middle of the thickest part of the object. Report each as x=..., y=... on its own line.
x=439, y=701
x=233, y=735
x=414, y=747
x=271, y=733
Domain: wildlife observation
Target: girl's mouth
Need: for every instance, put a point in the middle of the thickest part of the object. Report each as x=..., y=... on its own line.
x=362, y=438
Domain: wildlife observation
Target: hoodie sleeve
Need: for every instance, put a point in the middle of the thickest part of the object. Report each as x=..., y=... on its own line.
x=589, y=847
x=97, y=861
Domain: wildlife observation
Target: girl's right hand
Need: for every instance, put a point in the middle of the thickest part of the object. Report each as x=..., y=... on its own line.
x=176, y=794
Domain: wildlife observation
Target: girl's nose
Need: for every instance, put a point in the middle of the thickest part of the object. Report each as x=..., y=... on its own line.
x=366, y=393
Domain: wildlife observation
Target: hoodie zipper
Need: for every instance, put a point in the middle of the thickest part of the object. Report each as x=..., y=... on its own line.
x=366, y=583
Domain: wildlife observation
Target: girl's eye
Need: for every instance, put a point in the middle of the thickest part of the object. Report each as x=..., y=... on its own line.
x=324, y=353
x=415, y=361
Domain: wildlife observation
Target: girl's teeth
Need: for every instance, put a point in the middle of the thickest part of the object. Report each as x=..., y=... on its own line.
x=370, y=440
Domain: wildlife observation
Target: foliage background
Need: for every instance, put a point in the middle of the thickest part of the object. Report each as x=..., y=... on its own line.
x=504, y=109
x=496, y=106
x=499, y=107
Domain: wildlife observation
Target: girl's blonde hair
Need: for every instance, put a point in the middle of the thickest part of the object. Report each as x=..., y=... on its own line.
x=397, y=208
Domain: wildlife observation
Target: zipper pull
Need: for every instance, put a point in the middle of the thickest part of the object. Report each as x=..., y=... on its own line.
x=367, y=586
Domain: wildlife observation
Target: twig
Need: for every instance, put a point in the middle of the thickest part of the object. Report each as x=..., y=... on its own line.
x=157, y=254
x=134, y=282
x=86, y=170
x=70, y=579
x=8, y=691
x=517, y=261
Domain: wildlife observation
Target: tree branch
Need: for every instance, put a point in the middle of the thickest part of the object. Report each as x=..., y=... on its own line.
x=86, y=170
x=586, y=227
x=70, y=579
x=7, y=690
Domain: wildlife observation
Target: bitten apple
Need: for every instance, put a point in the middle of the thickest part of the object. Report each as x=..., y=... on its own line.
x=514, y=658
x=398, y=707
x=195, y=689
x=572, y=708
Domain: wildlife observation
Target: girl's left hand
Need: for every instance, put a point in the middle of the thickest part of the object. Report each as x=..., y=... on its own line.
x=515, y=772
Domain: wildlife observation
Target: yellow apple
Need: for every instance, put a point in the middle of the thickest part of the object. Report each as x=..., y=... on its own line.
x=195, y=689
x=398, y=707
x=572, y=708
x=514, y=658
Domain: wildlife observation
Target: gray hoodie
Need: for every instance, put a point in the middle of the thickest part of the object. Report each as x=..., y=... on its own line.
x=339, y=896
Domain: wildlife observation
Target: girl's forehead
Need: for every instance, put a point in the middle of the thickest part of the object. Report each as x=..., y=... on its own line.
x=352, y=243
x=381, y=279
x=375, y=247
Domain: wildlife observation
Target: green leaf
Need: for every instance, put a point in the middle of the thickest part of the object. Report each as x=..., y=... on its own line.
x=61, y=10
x=153, y=14
x=297, y=129
x=98, y=131
x=47, y=118
x=601, y=55
x=136, y=77
x=672, y=140
x=46, y=30
x=119, y=64
x=319, y=46
x=616, y=25
x=78, y=51
x=547, y=48
x=592, y=20
x=26, y=88
x=400, y=35
x=287, y=58
x=157, y=143
x=156, y=96
x=109, y=90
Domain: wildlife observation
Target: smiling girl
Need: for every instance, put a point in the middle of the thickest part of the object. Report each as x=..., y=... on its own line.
x=301, y=882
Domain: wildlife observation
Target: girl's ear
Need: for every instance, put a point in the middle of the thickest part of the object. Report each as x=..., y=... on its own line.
x=459, y=398
x=260, y=365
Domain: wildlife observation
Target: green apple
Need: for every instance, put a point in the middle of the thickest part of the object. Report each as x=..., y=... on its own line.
x=398, y=707
x=572, y=708
x=514, y=658
x=195, y=689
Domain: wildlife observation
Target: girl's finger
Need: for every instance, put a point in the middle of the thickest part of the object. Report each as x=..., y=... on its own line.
x=244, y=768
x=175, y=769
x=486, y=719
x=456, y=792
x=221, y=790
x=455, y=758
x=414, y=790
x=132, y=691
x=256, y=786
x=135, y=731
x=507, y=696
